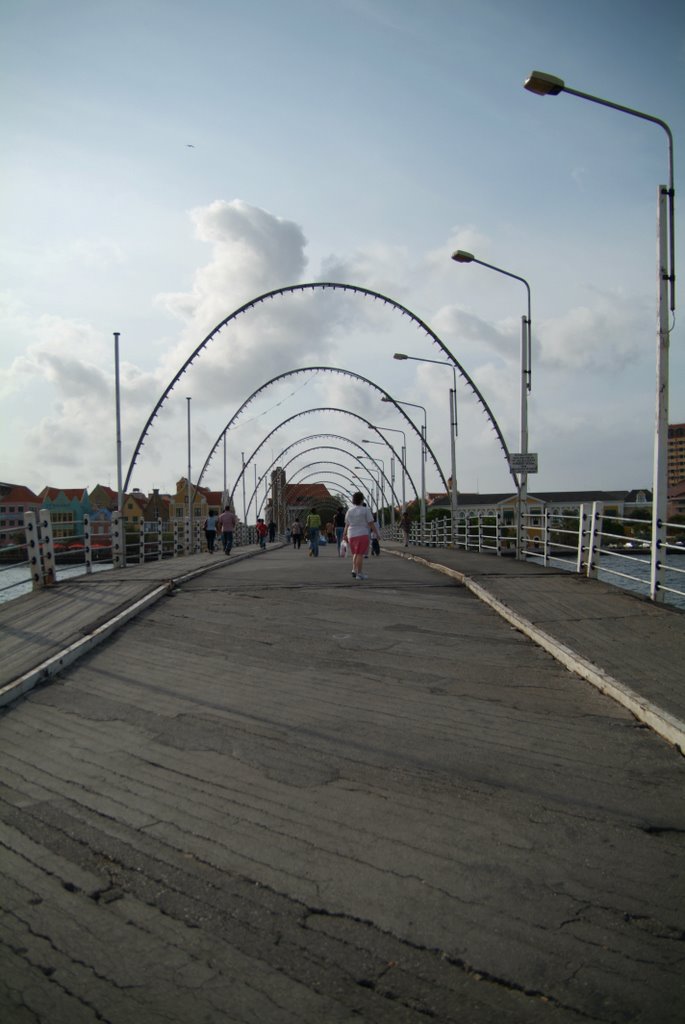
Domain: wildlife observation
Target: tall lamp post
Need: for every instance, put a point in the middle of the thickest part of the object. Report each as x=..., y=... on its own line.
x=466, y=257
x=543, y=84
x=119, y=558
x=190, y=491
x=370, y=478
x=424, y=433
x=366, y=440
x=396, y=430
x=381, y=488
x=453, y=427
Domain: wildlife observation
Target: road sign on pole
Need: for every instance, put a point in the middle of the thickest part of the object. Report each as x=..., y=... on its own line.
x=526, y=462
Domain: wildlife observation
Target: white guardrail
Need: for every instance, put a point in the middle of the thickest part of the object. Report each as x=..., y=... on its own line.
x=584, y=541
x=33, y=552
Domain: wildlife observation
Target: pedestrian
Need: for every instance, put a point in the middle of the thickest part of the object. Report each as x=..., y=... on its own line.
x=339, y=526
x=272, y=531
x=313, y=526
x=405, y=527
x=262, y=532
x=375, y=543
x=210, y=531
x=359, y=523
x=296, y=533
x=227, y=523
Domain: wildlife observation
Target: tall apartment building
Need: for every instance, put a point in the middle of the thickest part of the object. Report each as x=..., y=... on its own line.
x=676, y=453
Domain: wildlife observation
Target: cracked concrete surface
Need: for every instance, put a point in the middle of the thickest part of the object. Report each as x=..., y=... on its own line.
x=321, y=808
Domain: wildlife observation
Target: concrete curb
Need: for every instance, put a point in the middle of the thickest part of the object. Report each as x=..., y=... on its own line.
x=661, y=722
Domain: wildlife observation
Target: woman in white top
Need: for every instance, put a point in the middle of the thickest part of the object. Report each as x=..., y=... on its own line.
x=358, y=522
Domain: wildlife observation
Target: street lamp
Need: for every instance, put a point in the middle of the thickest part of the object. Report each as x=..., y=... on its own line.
x=460, y=256
x=395, y=430
x=189, y=546
x=381, y=488
x=370, y=479
x=424, y=432
x=453, y=425
x=543, y=84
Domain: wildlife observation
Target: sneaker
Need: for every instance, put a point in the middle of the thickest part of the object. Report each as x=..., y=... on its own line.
x=362, y=576
x=354, y=575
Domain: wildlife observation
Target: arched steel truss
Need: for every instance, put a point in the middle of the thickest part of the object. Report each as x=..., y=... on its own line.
x=320, y=369
x=321, y=447
x=314, y=286
x=353, y=479
x=336, y=437
x=344, y=451
x=328, y=409
x=347, y=486
x=360, y=480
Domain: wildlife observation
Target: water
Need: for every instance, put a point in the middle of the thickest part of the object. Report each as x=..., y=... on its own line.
x=638, y=567
x=16, y=580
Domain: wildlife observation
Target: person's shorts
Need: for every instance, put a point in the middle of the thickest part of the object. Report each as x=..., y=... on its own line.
x=359, y=545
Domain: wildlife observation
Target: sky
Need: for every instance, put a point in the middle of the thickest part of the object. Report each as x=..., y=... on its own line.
x=165, y=164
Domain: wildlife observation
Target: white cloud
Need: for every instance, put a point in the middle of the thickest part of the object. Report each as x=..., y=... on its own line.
x=605, y=337
x=253, y=252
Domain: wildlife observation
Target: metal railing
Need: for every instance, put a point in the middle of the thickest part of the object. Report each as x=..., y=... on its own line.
x=31, y=554
x=585, y=541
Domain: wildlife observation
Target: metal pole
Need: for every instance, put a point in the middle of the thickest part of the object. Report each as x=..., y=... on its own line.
x=660, y=479
x=244, y=497
x=189, y=489
x=453, y=440
x=224, y=463
x=423, y=483
x=120, y=492
x=392, y=487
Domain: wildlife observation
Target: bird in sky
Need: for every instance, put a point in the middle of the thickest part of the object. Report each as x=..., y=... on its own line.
x=189, y=145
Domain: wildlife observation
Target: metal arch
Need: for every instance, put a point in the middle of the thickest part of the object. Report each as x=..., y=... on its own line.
x=313, y=286
x=327, y=462
x=342, y=490
x=333, y=448
x=341, y=437
x=353, y=478
x=332, y=483
x=320, y=369
x=316, y=448
x=324, y=408
x=331, y=462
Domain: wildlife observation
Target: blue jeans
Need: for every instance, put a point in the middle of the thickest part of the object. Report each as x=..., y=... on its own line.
x=227, y=540
x=339, y=530
x=314, y=540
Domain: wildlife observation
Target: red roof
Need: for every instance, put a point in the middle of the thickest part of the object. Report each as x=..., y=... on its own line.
x=19, y=494
x=299, y=494
x=68, y=492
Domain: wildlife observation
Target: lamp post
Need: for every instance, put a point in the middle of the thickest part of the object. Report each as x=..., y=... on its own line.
x=460, y=256
x=453, y=427
x=366, y=440
x=544, y=84
x=381, y=489
x=424, y=432
x=242, y=454
x=119, y=558
x=396, y=430
x=190, y=493
x=370, y=479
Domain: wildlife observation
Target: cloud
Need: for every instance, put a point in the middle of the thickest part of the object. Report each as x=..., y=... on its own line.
x=605, y=337
x=253, y=252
